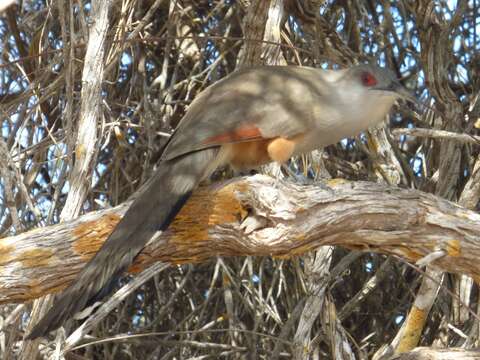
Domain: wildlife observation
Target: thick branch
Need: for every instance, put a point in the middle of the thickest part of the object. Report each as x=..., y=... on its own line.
x=424, y=353
x=361, y=215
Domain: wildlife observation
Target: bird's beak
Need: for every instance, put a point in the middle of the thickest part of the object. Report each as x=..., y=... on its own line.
x=400, y=91
x=405, y=94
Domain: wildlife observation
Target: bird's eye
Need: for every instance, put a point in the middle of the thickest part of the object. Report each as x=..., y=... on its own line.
x=368, y=79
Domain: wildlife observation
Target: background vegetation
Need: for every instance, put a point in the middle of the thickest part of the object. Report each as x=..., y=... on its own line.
x=157, y=56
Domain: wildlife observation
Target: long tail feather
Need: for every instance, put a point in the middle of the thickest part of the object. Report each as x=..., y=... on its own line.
x=157, y=204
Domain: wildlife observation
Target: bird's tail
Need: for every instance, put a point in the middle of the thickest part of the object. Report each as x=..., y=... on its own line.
x=156, y=205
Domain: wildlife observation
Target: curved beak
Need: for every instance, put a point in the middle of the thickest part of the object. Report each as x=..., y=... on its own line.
x=400, y=90
x=407, y=95
x=403, y=93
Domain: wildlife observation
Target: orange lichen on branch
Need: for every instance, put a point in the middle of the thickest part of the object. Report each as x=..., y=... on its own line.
x=187, y=238
x=408, y=253
x=454, y=248
x=91, y=235
x=35, y=257
x=413, y=329
x=39, y=288
x=188, y=234
x=6, y=251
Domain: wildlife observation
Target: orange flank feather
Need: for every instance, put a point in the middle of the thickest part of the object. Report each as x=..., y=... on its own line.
x=256, y=152
x=281, y=149
x=243, y=133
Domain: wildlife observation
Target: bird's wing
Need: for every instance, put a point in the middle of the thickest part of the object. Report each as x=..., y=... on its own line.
x=257, y=103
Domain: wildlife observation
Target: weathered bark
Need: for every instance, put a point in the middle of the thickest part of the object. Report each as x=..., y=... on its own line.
x=438, y=134
x=359, y=215
x=424, y=353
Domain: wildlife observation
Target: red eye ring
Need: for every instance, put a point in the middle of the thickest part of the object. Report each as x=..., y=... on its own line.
x=368, y=79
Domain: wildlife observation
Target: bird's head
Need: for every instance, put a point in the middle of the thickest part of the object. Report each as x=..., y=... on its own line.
x=380, y=80
x=366, y=93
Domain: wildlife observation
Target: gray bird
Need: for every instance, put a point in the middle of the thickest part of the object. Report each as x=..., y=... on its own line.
x=251, y=117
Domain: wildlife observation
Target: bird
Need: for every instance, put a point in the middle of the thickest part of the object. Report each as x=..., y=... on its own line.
x=249, y=118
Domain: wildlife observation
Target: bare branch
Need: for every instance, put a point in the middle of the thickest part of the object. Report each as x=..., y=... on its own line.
x=359, y=215
x=423, y=353
x=438, y=134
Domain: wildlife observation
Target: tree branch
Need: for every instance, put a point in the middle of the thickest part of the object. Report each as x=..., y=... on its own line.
x=438, y=134
x=423, y=353
x=360, y=215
